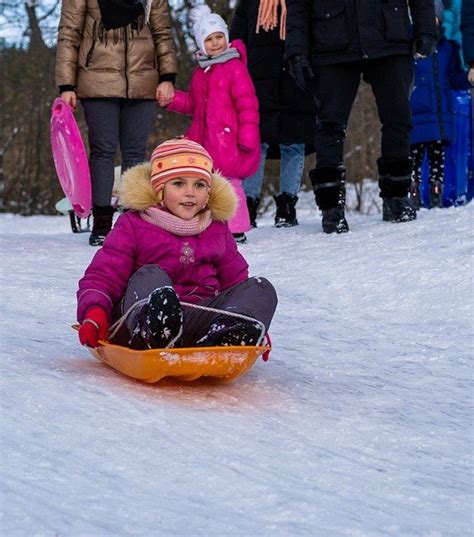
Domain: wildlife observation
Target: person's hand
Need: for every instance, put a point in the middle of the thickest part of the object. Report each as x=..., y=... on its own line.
x=470, y=75
x=300, y=70
x=164, y=93
x=93, y=327
x=70, y=98
x=424, y=45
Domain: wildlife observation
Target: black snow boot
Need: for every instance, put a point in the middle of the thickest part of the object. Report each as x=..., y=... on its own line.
x=415, y=195
x=436, y=194
x=252, y=206
x=286, y=212
x=229, y=332
x=334, y=221
x=102, y=224
x=159, y=323
x=330, y=192
x=240, y=238
x=394, y=183
x=398, y=210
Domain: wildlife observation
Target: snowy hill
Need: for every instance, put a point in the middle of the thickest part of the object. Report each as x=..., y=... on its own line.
x=359, y=425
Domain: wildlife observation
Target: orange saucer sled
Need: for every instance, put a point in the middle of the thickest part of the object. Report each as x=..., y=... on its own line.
x=223, y=363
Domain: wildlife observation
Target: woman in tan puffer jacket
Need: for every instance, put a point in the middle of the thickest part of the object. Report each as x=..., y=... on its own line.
x=118, y=58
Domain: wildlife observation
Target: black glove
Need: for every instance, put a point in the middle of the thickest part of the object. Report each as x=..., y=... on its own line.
x=424, y=45
x=300, y=70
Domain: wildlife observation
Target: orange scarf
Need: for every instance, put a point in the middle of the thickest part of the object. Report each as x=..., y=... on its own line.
x=268, y=16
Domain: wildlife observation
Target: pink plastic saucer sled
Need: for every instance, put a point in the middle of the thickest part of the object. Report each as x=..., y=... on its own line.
x=70, y=158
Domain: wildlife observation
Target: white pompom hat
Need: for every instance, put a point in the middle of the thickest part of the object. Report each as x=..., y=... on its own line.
x=206, y=23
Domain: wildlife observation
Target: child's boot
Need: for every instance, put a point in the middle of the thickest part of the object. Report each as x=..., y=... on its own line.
x=159, y=323
x=230, y=332
x=415, y=196
x=252, y=206
x=102, y=224
x=240, y=238
x=436, y=194
x=285, y=213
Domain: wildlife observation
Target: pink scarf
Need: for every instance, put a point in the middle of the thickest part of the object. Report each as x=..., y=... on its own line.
x=175, y=224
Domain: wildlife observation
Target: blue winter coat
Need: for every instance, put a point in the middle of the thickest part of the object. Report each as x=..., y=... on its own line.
x=432, y=100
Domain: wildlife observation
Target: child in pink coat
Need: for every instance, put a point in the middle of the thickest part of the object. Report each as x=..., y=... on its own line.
x=222, y=100
x=169, y=273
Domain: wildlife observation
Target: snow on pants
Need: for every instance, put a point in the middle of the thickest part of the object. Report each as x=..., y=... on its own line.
x=255, y=297
x=240, y=222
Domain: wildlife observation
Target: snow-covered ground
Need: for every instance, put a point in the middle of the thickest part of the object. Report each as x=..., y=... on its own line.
x=359, y=425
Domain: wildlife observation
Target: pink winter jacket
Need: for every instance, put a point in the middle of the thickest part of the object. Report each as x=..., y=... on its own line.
x=200, y=266
x=224, y=107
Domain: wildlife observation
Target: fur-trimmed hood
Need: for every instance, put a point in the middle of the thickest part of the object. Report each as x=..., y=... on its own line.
x=137, y=194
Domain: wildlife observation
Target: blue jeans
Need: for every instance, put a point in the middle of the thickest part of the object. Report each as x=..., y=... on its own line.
x=291, y=170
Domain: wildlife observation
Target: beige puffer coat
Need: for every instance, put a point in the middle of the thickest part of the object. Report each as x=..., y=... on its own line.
x=123, y=63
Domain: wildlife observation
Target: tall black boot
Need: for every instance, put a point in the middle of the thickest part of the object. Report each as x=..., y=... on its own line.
x=286, y=212
x=252, y=206
x=102, y=224
x=330, y=193
x=394, y=182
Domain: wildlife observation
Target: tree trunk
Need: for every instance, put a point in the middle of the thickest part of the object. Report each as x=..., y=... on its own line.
x=36, y=37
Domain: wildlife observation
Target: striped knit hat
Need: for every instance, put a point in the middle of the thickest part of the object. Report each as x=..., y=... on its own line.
x=179, y=157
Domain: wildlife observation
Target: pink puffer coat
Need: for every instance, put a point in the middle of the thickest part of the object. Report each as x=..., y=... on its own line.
x=224, y=107
x=200, y=266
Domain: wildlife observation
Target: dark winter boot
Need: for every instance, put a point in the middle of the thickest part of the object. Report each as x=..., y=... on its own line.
x=334, y=221
x=330, y=193
x=102, y=224
x=415, y=196
x=285, y=213
x=159, y=323
x=240, y=238
x=252, y=206
x=436, y=194
x=229, y=332
x=394, y=183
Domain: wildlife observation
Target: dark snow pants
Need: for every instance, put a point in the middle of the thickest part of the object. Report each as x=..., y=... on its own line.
x=110, y=123
x=255, y=297
x=391, y=79
x=436, y=151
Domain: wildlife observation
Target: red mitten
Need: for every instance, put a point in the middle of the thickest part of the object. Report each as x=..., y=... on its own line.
x=93, y=327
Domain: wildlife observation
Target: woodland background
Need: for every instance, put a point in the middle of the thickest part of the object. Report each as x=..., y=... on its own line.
x=28, y=182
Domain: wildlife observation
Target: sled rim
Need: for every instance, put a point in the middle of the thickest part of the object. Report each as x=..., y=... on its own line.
x=223, y=364
x=70, y=158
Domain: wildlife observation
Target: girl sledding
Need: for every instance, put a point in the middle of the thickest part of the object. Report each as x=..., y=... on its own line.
x=169, y=273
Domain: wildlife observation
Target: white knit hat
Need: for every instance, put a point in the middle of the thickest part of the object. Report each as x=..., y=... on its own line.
x=206, y=23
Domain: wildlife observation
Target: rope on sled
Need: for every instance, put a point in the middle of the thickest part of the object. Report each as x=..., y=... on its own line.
x=119, y=323
x=231, y=314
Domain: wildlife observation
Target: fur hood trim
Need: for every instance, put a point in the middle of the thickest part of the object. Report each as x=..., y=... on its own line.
x=137, y=194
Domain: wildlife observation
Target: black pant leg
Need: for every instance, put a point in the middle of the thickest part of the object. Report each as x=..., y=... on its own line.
x=102, y=118
x=136, y=123
x=391, y=79
x=436, y=157
x=336, y=88
x=417, y=154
